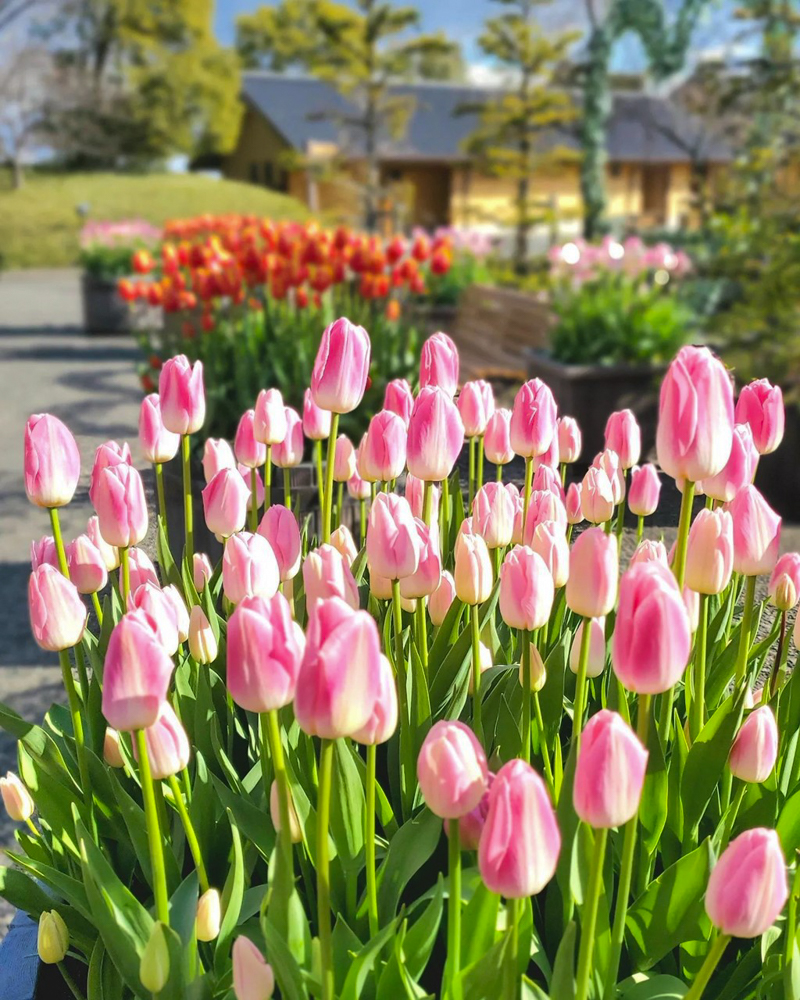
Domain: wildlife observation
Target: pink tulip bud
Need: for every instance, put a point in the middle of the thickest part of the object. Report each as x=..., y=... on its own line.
x=652, y=638
x=121, y=506
x=382, y=455
x=399, y=399
x=339, y=378
x=253, y=978
x=167, y=745
x=209, y=915
x=597, y=647
x=180, y=610
x=280, y=528
x=593, y=567
x=52, y=461
x=340, y=673
x=543, y=506
x=249, y=568
x=269, y=418
x=141, y=569
x=438, y=365
x=533, y=419
x=597, y=499
x=248, y=450
x=358, y=488
x=109, y=553
x=451, y=770
x=435, y=435
x=326, y=575
x=740, y=469
x=550, y=542
x=289, y=453
x=157, y=443
x=182, y=395
x=58, y=615
x=649, y=551
x=497, y=438
x=442, y=598
x=493, y=515
x=344, y=461
x=573, y=504
x=217, y=455
x=470, y=826
x=473, y=573
x=17, y=799
x=203, y=643
x=415, y=494
x=784, y=584
x=136, y=674
x=624, y=437
x=695, y=419
x=202, y=571
x=380, y=587
x=546, y=478
x=426, y=577
x=295, y=830
x=760, y=405
x=112, y=748
x=644, y=491
x=110, y=453
x=691, y=600
x=225, y=503
x=476, y=406
x=748, y=887
x=520, y=843
x=526, y=589
x=756, y=533
x=44, y=551
x=709, y=554
x=393, y=545
x=382, y=722
x=87, y=569
x=609, y=773
x=570, y=440
x=157, y=610
x=755, y=748
x=263, y=654
x=538, y=677
x=316, y=422
x=609, y=462
x=342, y=540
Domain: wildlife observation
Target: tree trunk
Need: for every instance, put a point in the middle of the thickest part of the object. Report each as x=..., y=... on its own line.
x=597, y=105
x=18, y=173
x=373, y=167
x=522, y=228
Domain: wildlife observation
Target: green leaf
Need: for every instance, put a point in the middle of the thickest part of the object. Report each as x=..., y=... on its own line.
x=655, y=794
x=420, y=939
x=287, y=971
x=551, y=697
x=364, y=962
x=478, y=923
x=232, y=897
x=654, y=988
x=346, y=944
x=249, y=818
x=562, y=985
x=347, y=805
x=789, y=825
x=481, y=979
x=410, y=848
x=182, y=919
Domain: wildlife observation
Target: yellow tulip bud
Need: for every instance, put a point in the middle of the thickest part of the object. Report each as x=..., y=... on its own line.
x=53, y=939
x=209, y=915
x=154, y=966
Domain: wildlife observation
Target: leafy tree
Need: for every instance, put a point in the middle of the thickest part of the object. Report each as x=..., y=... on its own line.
x=507, y=142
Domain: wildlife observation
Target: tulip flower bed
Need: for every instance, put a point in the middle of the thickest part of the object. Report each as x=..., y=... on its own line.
x=248, y=297
x=471, y=757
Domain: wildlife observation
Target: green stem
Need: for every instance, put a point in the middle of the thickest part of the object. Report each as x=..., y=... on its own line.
x=287, y=488
x=83, y=674
x=548, y=767
x=454, y=909
x=126, y=575
x=512, y=965
x=480, y=463
x=471, y=490
x=779, y=669
x=253, y=500
x=406, y=753
x=162, y=502
x=525, y=640
x=369, y=842
x=339, y=504
x=526, y=499
x=790, y=933
x=268, y=479
x=707, y=970
x=191, y=835
x=698, y=710
x=77, y=726
x=362, y=517
x=563, y=471
x=747, y=624
x=422, y=632
x=98, y=609
x=323, y=866
x=444, y=515
x=580, y=684
x=621, y=512
x=320, y=476
x=188, y=513
x=499, y=473
x=153, y=830
x=271, y=722
x=57, y=538
x=477, y=725
x=731, y=817
x=328, y=497
x=71, y=985
x=589, y=922
x=639, y=528
x=427, y=502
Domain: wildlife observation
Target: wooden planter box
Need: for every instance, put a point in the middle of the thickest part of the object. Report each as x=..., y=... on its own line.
x=103, y=310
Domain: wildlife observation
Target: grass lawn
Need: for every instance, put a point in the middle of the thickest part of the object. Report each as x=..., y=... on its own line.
x=39, y=224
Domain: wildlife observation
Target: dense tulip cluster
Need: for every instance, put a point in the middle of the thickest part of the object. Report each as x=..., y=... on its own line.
x=266, y=748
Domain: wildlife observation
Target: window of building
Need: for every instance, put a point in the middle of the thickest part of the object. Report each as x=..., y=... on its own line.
x=269, y=174
x=254, y=173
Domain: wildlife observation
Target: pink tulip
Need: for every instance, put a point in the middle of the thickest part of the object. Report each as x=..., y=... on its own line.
x=217, y=455
x=784, y=583
x=316, y=422
x=269, y=418
x=761, y=406
x=497, y=438
x=438, y=364
x=526, y=589
x=644, y=490
x=550, y=542
x=17, y=800
x=203, y=644
x=344, y=461
x=173, y=595
x=327, y=575
x=339, y=378
x=756, y=533
x=342, y=540
x=44, y=551
x=247, y=475
x=136, y=674
x=358, y=488
x=695, y=420
x=141, y=569
x=597, y=499
x=112, y=748
x=253, y=978
x=182, y=395
x=533, y=419
x=755, y=748
x=157, y=610
x=546, y=478
x=289, y=452
x=442, y=598
x=435, y=435
x=263, y=654
x=740, y=469
x=709, y=554
x=393, y=545
x=157, y=443
x=52, y=462
x=382, y=722
x=168, y=747
x=609, y=773
x=110, y=553
x=248, y=450
x=106, y=456
x=649, y=550
x=570, y=440
x=473, y=573
x=624, y=437
x=87, y=569
x=748, y=887
x=550, y=456
x=415, y=494
x=280, y=528
x=652, y=638
x=382, y=456
x=593, y=567
x=470, y=826
x=451, y=770
x=339, y=677
x=225, y=503
x=249, y=568
x=202, y=571
x=493, y=515
x=58, y=615
x=543, y=506
x=399, y=399
x=476, y=406
x=573, y=504
x=609, y=462
x=520, y=843
x=121, y=505
x=597, y=647
x=428, y=574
